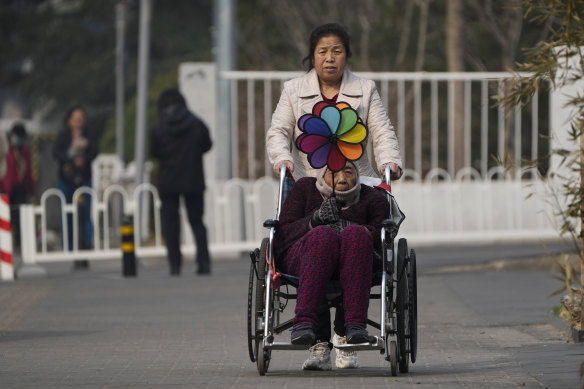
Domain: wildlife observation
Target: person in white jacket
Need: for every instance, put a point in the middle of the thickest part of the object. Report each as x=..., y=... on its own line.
x=328, y=79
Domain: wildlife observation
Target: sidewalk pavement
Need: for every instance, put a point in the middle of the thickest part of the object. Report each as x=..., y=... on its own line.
x=96, y=329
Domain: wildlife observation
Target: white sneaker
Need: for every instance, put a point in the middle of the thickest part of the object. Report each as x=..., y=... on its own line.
x=345, y=359
x=320, y=358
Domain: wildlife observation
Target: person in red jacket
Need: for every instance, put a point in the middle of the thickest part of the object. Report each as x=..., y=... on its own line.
x=18, y=182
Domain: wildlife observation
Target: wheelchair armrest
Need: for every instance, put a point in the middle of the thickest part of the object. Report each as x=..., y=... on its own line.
x=269, y=223
x=390, y=227
x=388, y=224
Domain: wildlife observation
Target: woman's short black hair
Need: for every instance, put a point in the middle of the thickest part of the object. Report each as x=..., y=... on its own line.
x=19, y=130
x=322, y=31
x=70, y=111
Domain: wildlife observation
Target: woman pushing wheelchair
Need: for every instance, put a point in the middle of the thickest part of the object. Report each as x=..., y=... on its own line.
x=329, y=86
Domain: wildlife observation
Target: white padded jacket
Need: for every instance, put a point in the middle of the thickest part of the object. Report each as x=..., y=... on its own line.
x=298, y=98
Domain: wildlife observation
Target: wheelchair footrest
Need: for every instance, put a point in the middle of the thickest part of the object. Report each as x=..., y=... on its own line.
x=285, y=346
x=376, y=344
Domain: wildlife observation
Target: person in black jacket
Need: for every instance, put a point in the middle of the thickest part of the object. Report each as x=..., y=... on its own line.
x=74, y=150
x=178, y=141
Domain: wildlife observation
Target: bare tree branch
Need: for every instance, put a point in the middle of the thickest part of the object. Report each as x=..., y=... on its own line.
x=506, y=29
x=476, y=62
x=367, y=14
x=422, y=34
x=365, y=32
x=404, y=36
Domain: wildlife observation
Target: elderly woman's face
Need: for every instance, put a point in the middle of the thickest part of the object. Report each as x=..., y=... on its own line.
x=345, y=179
x=330, y=58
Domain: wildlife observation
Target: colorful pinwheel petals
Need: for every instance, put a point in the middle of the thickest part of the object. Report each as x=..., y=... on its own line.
x=331, y=135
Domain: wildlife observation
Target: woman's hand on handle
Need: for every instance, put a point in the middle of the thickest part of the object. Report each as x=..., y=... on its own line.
x=289, y=165
x=396, y=171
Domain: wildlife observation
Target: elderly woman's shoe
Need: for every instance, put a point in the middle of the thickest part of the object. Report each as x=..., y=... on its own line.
x=320, y=357
x=345, y=359
x=356, y=334
x=302, y=334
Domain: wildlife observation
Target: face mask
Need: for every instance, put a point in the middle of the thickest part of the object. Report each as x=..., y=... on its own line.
x=17, y=141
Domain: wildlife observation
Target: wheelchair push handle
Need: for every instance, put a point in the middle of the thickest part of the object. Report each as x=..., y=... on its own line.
x=387, y=174
x=280, y=189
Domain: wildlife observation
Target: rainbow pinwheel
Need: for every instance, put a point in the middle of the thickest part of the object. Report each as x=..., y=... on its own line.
x=331, y=135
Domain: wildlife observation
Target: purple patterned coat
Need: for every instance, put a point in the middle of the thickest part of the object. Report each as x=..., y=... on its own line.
x=304, y=199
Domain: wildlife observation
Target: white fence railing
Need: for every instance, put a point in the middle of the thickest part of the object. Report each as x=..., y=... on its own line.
x=234, y=215
x=444, y=204
x=439, y=210
x=422, y=107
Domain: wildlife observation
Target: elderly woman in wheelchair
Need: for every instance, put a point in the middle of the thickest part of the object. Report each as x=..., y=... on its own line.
x=329, y=229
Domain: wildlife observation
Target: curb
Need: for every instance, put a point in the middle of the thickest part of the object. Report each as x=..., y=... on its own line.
x=542, y=263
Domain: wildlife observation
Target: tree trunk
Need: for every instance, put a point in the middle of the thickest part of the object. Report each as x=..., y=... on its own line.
x=505, y=22
x=455, y=53
x=404, y=37
x=422, y=34
x=365, y=33
x=581, y=324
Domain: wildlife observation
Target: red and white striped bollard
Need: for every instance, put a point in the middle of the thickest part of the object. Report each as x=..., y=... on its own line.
x=6, y=265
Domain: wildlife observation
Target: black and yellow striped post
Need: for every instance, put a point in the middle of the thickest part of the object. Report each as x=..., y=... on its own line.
x=128, y=249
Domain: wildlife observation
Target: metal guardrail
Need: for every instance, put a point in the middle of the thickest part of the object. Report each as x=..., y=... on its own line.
x=421, y=106
x=480, y=202
x=441, y=209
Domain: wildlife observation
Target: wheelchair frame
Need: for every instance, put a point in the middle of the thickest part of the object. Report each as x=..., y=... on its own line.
x=397, y=326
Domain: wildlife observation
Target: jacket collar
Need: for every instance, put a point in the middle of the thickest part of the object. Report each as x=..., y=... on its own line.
x=350, y=92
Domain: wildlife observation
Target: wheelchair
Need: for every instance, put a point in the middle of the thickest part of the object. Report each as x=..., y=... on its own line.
x=268, y=295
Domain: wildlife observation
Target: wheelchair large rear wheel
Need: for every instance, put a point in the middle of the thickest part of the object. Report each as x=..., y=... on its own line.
x=413, y=305
x=262, y=356
x=390, y=325
x=251, y=313
x=402, y=306
x=389, y=291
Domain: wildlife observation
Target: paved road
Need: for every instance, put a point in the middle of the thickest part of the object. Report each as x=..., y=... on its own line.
x=445, y=255
x=96, y=329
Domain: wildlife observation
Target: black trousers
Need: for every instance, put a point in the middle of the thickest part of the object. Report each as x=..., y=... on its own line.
x=323, y=328
x=18, y=197
x=171, y=227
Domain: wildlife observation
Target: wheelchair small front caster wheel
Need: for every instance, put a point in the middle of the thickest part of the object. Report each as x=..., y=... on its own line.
x=263, y=361
x=393, y=357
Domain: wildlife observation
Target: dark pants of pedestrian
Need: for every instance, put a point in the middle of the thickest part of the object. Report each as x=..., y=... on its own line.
x=171, y=228
x=85, y=233
x=18, y=196
x=320, y=255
